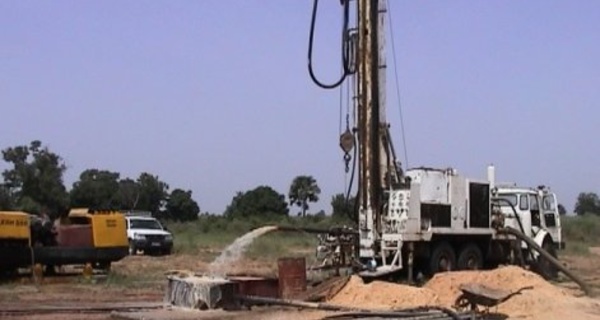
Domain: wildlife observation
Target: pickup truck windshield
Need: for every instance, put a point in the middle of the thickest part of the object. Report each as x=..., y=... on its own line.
x=144, y=224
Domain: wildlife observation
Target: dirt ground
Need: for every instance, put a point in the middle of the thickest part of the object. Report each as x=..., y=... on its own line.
x=141, y=279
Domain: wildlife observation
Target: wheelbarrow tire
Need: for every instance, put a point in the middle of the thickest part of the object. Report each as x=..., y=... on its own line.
x=470, y=257
x=442, y=258
x=462, y=303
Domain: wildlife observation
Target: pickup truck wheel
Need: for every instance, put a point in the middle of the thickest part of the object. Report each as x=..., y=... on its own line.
x=104, y=266
x=442, y=258
x=132, y=248
x=470, y=258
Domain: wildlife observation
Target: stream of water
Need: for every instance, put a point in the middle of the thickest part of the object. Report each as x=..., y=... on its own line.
x=227, y=259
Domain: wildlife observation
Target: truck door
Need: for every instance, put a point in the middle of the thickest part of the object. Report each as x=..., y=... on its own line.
x=551, y=218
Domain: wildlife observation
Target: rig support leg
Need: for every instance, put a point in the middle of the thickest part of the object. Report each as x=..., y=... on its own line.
x=411, y=249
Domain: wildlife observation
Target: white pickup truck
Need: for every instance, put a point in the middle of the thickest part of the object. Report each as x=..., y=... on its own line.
x=146, y=234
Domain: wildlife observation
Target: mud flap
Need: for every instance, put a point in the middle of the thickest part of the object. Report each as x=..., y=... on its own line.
x=539, y=240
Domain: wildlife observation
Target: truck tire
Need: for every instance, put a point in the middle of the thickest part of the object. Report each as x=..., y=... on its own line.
x=470, y=257
x=132, y=248
x=103, y=266
x=544, y=267
x=442, y=258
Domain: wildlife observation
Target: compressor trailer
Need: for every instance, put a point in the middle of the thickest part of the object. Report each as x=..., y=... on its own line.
x=84, y=236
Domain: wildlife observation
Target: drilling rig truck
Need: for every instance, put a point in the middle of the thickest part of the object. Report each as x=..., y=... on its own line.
x=426, y=219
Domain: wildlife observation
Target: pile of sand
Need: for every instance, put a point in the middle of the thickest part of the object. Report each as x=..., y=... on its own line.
x=509, y=278
x=544, y=301
x=383, y=295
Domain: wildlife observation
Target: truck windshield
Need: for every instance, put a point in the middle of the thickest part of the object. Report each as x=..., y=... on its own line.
x=144, y=224
x=512, y=198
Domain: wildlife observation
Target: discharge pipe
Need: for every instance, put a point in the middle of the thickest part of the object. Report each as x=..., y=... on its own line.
x=416, y=313
x=336, y=231
x=534, y=246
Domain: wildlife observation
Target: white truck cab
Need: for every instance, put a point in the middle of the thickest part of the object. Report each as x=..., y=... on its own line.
x=536, y=213
x=145, y=233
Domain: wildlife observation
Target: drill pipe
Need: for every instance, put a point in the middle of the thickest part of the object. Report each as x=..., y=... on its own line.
x=336, y=231
x=416, y=313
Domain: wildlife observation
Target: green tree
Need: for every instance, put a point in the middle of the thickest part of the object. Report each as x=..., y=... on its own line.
x=261, y=201
x=128, y=194
x=587, y=202
x=304, y=189
x=36, y=179
x=96, y=189
x=342, y=207
x=6, y=198
x=181, y=207
x=561, y=209
x=152, y=193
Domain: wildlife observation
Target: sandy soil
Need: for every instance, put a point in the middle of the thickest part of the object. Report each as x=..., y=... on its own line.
x=543, y=301
x=141, y=279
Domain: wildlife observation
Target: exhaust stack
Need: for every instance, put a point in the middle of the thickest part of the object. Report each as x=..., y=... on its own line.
x=491, y=176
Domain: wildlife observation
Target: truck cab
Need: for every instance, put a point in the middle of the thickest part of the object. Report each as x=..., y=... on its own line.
x=536, y=212
x=145, y=233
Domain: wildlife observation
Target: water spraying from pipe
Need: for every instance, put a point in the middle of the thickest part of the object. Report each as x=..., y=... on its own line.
x=225, y=261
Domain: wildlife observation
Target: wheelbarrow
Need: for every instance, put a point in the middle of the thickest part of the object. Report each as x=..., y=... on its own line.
x=475, y=294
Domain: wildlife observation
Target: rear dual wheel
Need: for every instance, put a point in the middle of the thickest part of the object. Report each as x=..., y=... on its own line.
x=470, y=257
x=443, y=258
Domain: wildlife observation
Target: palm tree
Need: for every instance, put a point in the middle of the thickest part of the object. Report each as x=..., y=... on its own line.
x=304, y=189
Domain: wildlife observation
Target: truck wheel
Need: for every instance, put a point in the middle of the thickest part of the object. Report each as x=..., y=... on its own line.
x=442, y=258
x=104, y=266
x=132, y=248
x=545, y=268
x=470, y=258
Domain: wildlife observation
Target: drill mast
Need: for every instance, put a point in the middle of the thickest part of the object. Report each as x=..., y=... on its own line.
x=377, y=170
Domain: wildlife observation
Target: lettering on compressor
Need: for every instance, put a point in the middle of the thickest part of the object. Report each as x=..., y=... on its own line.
x=15, y=223
x=111, y=223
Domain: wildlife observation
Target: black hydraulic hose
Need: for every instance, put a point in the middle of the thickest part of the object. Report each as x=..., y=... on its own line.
x=519, y=222
x=514, y=212
x=547, y=256
x=425, y=312
x=352, y=215
x=393, y=315
x=346, y=69
x=293, y=303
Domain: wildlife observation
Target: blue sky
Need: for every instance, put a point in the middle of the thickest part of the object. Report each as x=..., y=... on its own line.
x=214, y=96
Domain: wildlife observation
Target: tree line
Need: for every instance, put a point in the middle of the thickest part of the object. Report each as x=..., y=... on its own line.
x=34, y=183
x=587, y=203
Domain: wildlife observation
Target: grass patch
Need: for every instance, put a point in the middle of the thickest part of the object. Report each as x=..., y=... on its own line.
x=277, y=245
x=584, y=229
x=577, y=249
x=118, y=279
x=210, y=234
x=580, y=233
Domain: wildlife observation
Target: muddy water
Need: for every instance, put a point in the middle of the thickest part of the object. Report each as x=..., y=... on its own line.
x=224, y=262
